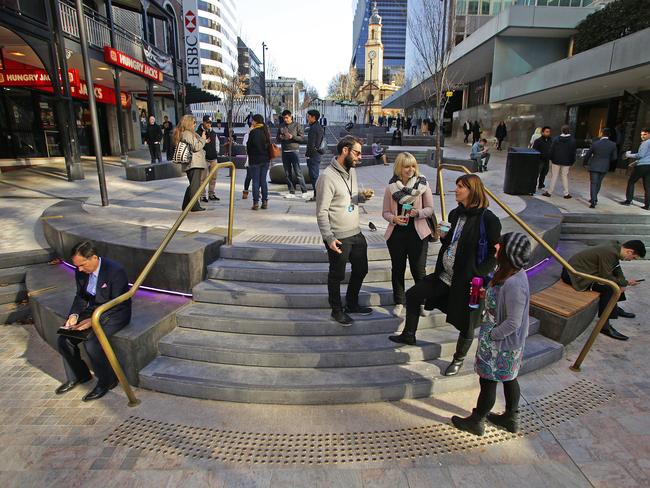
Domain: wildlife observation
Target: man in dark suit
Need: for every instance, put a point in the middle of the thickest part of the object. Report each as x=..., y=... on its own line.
x=599, y=158
x=98, y=280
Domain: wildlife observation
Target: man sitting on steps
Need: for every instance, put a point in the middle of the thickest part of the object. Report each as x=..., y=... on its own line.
x=604, y=261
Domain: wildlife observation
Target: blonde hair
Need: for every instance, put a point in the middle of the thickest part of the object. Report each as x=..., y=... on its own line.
x=477, y=196
x=405, y=159
x=188, y=122
x=538, y=131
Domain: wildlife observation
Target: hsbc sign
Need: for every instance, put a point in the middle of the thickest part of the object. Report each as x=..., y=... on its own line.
x=192, y=48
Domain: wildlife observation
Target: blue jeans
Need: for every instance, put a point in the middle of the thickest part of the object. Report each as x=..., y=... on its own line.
x=313, y=165
x=258, y=173
x=291, y=163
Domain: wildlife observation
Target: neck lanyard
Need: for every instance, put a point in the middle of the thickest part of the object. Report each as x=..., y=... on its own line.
x=349, y=188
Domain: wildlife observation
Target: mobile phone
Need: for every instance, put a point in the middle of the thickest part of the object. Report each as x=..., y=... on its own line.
x=639, y=281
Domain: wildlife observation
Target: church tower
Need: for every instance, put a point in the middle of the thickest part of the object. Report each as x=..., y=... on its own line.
x=374, y=49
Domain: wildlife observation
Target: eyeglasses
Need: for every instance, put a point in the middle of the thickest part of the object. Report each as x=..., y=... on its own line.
x=356, y=153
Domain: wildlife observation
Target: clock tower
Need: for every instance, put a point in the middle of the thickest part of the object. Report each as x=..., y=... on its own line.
x=374, y=67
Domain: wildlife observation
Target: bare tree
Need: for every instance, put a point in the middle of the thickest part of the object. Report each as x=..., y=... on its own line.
x=344, y=86
x=271, y=91
x=232, y=93
x=311, y=93
x=428, y=31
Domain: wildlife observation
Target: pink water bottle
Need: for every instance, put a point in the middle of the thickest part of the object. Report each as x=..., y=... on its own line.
x=475, y=292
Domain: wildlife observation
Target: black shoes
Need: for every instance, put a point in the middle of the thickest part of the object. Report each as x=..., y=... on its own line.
x=98, y=392
x=213, y=197
x=546, y=194
x=626, y=203
x=474, y=424
x=592, y=205
x=566, y=197
x=342, y=318
x=454, y=367
x=403, y=338
x=507, y=420
x=462, y=348
x=358, y=309
x=200, y=209
x=624, y=314
x=610, y=331
x=70, y=385
x=204, y=198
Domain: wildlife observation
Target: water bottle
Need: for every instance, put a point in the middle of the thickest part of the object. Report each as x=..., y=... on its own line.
x=406, y=209
x=475, y=292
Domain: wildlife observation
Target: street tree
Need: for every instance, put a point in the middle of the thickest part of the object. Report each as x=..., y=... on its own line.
x=344, y=86
x=232, y=93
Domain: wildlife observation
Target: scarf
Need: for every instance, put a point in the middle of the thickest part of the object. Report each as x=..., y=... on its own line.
x=256, y=125
x=408, y=193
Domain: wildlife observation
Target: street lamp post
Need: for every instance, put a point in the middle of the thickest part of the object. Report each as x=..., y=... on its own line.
x=264, y=48
x=370, y=100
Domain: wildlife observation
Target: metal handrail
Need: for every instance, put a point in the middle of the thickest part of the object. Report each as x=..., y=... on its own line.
x=614, y=286
x=95, y=321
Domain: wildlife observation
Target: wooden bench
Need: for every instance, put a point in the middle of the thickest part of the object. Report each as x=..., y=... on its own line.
x=564, y=313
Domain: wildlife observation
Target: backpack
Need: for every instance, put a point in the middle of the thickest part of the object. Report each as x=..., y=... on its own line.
x=182, y=153
x=322, y=149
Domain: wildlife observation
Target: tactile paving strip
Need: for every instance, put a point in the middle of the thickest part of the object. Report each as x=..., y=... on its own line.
x=342, y=448
x=311, y=240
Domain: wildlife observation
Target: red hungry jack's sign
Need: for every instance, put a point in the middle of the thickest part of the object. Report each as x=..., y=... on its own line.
x=118, y=58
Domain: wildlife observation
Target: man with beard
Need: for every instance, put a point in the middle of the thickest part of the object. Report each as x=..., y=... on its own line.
x=337, y=214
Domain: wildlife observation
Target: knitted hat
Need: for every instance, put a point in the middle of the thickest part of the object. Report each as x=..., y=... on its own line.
x=517, y=248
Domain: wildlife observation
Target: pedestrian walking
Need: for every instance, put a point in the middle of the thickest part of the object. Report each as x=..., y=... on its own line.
x=211, y=149
x=598, y=159
x=502, y=338
x=408, y=203
x=168, y=147
x=197, y=165
x=153, y=138
x=259, y=150
x=476, y=132
x=542, y=144
x=640, y=171
x=290, y=135
x=500, y=133
x=468, y=250
x=563, y=155
x=315, y=148
x=467, y=130
x=337, y=213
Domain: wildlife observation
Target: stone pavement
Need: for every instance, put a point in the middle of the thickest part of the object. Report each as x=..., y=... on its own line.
x=59, y=441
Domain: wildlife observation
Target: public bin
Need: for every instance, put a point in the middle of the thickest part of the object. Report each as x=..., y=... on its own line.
x=522, y=169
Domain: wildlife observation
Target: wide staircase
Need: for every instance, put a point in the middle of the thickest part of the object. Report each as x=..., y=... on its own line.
x=593, y=229
x=259, y=330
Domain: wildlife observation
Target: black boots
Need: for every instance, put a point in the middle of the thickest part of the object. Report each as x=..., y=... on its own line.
x=404, y=338
x=462, y=347
x=474, y=424
x=507, y=420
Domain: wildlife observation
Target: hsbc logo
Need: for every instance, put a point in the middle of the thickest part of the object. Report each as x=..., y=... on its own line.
x=190, y=21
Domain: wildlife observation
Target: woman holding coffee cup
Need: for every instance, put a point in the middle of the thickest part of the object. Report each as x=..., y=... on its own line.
x=448, y=287
x=408, y=202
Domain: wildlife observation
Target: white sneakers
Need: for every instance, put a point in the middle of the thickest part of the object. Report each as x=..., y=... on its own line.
x=424, y=312
x=397, y=311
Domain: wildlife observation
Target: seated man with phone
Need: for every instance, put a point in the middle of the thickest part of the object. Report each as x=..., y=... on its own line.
x=99, y=280
x=604, y=261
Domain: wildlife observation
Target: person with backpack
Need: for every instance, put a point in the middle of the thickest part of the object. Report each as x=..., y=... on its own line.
x=502, y=337
x=468, y=250
x=316, y=146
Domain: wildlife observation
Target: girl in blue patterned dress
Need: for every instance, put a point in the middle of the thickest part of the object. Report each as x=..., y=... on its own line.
x=502, y=337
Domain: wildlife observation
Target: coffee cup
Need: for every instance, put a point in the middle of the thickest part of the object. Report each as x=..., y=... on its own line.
x=444, y=226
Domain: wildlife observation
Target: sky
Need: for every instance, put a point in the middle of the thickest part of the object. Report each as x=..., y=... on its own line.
x=307, y=39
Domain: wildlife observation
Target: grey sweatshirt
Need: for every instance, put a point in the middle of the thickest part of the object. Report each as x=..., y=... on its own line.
x=512, y=313
x=333, y=199
x=298, y=133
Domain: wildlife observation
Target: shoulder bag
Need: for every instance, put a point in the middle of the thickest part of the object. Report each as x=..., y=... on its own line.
x=182, y=153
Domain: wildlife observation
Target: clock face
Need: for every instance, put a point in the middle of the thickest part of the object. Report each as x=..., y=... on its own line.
x=372, y=54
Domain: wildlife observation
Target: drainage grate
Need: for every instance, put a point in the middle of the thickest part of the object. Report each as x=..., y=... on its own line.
x=311, y=240
x=342, y=448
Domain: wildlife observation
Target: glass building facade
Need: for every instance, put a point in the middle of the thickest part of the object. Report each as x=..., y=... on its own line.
x=393, y=33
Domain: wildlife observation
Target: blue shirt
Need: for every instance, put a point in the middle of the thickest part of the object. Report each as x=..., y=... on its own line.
x=91, y=287
x=643, y=156
x=477, y=149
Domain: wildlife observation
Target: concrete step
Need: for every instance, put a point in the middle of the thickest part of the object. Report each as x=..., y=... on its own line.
x=285, y=295
x=305, y=273
x=294, y=322
x=253, y=384
x=305, y=352
x=605, y=219
x=25, y=258
x=596, y=239
x=10, y=276
x=605, y=229
x=13, y=293
x=14, y=312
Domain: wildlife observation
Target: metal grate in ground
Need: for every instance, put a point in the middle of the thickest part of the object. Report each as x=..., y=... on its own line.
x=310, y=240
x=343, y=448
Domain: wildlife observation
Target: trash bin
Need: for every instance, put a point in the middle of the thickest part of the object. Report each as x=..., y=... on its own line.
x=522, y=168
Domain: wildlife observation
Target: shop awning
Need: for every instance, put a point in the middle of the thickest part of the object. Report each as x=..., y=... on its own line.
x=196, y=95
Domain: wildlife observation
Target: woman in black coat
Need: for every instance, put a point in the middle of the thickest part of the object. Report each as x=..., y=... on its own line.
x=447, y=289
x=501, y=134
x=258, y=147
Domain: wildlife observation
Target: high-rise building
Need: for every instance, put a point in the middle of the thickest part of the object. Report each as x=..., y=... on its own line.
x=250, y=67
x=218, y=27
x=393, y=14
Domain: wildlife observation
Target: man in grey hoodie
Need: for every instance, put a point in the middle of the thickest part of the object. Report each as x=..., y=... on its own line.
x=337, y=214
x=290, y=135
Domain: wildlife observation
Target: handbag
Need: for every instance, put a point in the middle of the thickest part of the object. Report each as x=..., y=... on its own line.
x=182, y=153
x=274, y=151
x=432, y=222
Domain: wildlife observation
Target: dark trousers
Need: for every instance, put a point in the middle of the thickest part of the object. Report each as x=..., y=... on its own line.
x=605, y=295
x=403, y=244
x=313, y=165
x=499, y=142
x=543, y=171
x=291, y=163
x=76, y=369
x=488, y=395
x=248, y=179
x=436, y=295
x=168, y=147
x=639, y=172
x=355, y=250
x=466, y=136
x=595, y=180
x=154, y=151
x=194, y=177
x=258, y=173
